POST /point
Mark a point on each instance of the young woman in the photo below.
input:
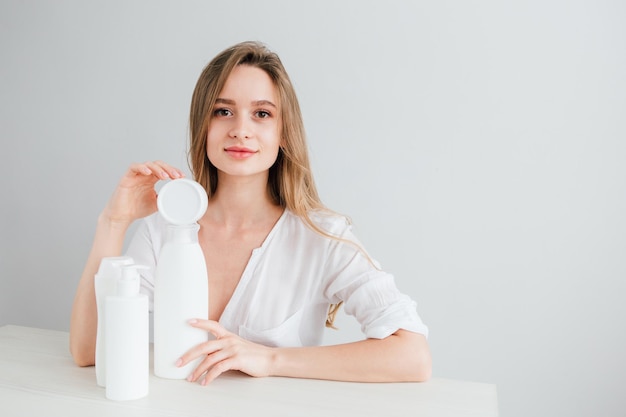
(279, 262)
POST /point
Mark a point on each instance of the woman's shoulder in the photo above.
(327, 220)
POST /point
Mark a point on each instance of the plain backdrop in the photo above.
(478, 146)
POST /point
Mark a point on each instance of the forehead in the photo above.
(248, 83)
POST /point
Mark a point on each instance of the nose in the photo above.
(240, 128)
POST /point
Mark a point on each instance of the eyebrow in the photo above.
(254, 103)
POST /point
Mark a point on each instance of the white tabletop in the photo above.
(39, 378)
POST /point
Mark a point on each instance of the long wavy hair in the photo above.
(290, 183)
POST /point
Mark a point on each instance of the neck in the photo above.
(241, 202)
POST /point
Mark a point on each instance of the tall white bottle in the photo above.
(127, 337)
(181, 289)
(105, 284)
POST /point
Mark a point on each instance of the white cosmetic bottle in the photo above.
(127, 338)
(181, 289)
(105, 284)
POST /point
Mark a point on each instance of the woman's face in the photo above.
(244, 134)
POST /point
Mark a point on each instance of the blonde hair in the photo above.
(290, 183)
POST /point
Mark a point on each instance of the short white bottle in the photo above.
(181, 290)
(105, 284)
(127, 339)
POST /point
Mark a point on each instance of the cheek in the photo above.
(273, 135)
(211, 146)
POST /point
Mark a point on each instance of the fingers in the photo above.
(135, 196)
(210, 326)
(218, 353)
(206, 348)
(213, 365)
(159, 169)
(217, 369)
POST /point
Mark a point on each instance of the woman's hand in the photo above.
(135, 196)
(227, 352)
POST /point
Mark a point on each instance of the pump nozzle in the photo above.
(109, 267)
(128, 284)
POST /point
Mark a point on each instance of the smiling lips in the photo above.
(239, 152)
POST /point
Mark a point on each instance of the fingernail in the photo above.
(192, 321)
(190, 378)
(179, 362)
(164, 174)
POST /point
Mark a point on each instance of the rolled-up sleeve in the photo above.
(369, 293)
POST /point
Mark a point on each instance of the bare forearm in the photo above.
(403, 356)
(108, 241)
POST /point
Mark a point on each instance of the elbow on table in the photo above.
(423, 369)
(418, 366)
(82, 355)
(82, 359)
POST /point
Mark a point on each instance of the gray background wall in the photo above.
(477, 145)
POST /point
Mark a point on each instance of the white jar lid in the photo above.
(182, 201)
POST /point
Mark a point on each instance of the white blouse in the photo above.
(283, 296)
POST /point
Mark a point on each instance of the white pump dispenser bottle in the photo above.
(127, 339)
(181, 290)
(105, 284)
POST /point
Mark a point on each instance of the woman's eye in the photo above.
(262, 114)
(222, 112)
